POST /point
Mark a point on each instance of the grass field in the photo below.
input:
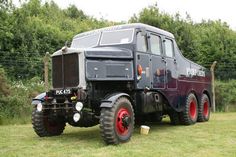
(214, 138)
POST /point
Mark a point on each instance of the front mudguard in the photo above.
(39, 99)
(110, 100)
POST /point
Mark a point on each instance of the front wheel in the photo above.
(117, 122)
(45, 126)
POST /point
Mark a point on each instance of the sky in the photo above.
(122, 10)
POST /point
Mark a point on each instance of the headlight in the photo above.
(79, 106)
(76, 117)
(39, 107)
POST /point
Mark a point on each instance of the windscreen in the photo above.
(122, 36)
(86, 41)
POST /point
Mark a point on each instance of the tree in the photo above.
(74, 13)
(29, 31)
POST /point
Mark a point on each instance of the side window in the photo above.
(141, 43)
(169, 48)
(155, 44)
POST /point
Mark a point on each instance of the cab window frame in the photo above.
(160, 44)
(137, 46)
(172, 47)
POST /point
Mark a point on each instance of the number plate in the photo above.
(65, 91)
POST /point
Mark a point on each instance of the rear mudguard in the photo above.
(39, 98)
(110, 100)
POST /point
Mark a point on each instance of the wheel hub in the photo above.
(126, 121)
(123, 121)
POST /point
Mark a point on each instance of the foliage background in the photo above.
(34, 28)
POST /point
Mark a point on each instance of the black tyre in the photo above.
(174, 117)
(45, 126)
(190, 113)
(117, 123)
(204, 109)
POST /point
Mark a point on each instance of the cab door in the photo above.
(171, 64)
(142, 58)
(158, 63)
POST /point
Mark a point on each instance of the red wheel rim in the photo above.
(193, 109)
(121, 128)
(205, 109)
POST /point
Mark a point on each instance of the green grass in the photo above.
(214, 138)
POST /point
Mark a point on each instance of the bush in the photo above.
(16, 107)
(4, 87)
(4, 91)
(225, 95)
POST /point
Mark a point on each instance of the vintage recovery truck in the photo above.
(120, 75)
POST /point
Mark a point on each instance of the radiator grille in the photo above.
(71, 71)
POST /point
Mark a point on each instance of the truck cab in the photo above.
(120, 75)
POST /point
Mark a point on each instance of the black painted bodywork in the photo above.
(101, 71)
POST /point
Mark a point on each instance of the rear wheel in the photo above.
(45, 126)
(190, 113)
(204, 109)
(117, 123)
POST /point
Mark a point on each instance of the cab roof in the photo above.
(127, 26)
